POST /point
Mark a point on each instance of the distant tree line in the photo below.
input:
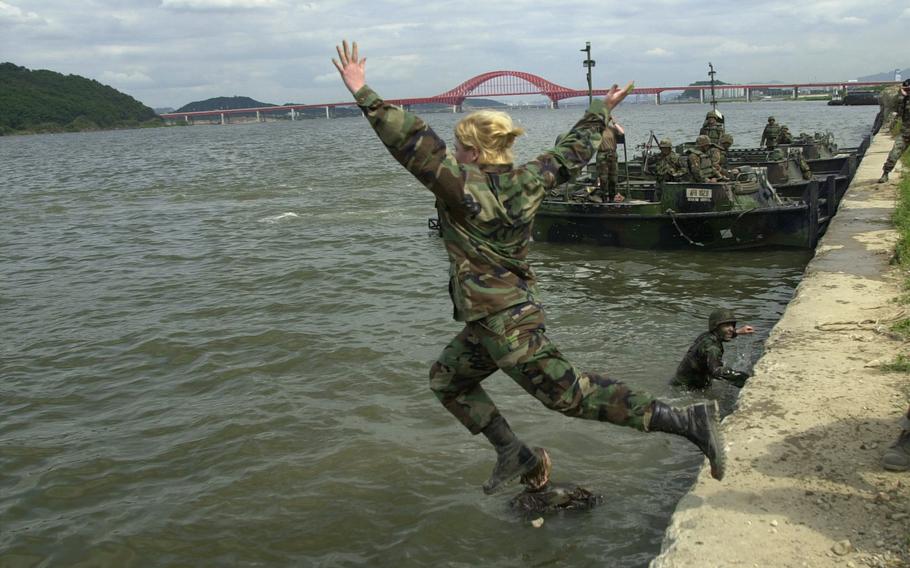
(46, 101)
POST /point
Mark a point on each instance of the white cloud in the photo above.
(905, 15)
(10, 14)
(205, 5)
(658, 52)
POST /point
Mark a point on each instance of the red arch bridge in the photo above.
(513, 83)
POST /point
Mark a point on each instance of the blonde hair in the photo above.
(491, 133)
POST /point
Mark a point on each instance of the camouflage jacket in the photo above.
(718, 158)
(771, 132)
(785, 138)
(712, 132)
(701, 166)
(669, 167)
(704, 362)
(485, 211)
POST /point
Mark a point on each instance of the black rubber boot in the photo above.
(884, 178)
(699, 423)
(513, 458)
(897, 458)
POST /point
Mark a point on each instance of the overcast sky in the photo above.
(167, 53)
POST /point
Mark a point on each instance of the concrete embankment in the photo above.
(804, 484)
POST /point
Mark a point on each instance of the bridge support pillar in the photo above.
(457, 108)
(748, 95)
(328, 112)
(701, 96)
(657, 99)
(222, 118)
(795, 93)
(293, 115)
(554, 104)
(258, 117)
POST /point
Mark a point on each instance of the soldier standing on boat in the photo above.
(607, 164)
(668, 166)
(902, 140)
(486, 207)
(712, 127)
(701, 166)
(770, 133)
(704, 361)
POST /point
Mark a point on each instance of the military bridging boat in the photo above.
(783, 197)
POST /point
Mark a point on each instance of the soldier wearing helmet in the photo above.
(770, 133)
(701, 166)
(607, 164)
(902, 140)
(784, 137)
(704, 361)
(713, 128)
(667, 166)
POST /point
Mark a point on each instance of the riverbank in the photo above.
(804, 484)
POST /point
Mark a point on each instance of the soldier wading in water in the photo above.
(486, 206)
(704, 361)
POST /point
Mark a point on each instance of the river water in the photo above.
(216, 340)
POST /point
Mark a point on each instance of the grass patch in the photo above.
(901, 364)
(902, 255)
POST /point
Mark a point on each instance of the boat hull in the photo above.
(620, 225)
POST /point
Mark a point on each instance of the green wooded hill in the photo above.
(47, 101)
(222, 103)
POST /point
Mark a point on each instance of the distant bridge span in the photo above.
(513, 83)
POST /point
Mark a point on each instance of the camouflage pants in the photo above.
(900, 144)
(607, 168)
(513, 340)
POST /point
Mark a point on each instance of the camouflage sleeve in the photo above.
(574, 150)
(717, 370)
(415, 146)
(695, 168)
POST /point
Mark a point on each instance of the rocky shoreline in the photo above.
(804, 484)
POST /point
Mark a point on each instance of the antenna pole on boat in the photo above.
(711, 74)
(588, 63)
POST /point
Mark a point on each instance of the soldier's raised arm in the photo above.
(405, 135)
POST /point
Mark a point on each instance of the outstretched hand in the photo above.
(616, 95)
(352, 69)
(745, 330)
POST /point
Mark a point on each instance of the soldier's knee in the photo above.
(440, 378)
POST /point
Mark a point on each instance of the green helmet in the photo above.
(719, 317)
(702, 140)
(665, 143)
(784, 128)
(770, 119)
(726, 138)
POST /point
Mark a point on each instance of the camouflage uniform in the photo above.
(784, 137)
(607, 163)
(889, 101)
(702, 167)
(712, 131)
(770, 133)
(704, 362)
(669, 167)
(902, 140)
(485, 213)
(718, 158)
